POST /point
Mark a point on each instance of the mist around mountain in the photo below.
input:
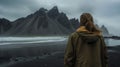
(42, 22)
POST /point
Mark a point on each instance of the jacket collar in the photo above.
(84, 30)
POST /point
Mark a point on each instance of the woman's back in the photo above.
(86, 48)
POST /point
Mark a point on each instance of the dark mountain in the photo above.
(97, 25)
(42, 22)
(5, 25)
(104, 30)
(63, 20)
(53, 13)
(75, 23)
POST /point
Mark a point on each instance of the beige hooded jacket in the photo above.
(85, 49)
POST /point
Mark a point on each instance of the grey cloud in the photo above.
(13, 2)
(14, 13)
(108, 9)
(17, 8)
(70, 7)
(114, 9)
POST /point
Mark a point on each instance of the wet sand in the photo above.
(33, 54)
(44, 55)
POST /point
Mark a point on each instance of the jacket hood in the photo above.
(90, 39)
(87, 36)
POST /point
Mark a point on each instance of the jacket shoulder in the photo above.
(74, 34)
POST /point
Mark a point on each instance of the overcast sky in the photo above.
(105, 12)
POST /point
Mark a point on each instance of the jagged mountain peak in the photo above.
(104, 30)
(4, 20)
(75, 23)
(97, 26)
(41, 12)
(43, 9)
(103, 26)
(74, 19)
(53, 13)
(55, 8)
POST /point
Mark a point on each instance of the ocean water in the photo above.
(112, 42)
(25, 40)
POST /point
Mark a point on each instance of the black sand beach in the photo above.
(43, 55)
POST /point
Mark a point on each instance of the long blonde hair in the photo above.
(86, 20)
